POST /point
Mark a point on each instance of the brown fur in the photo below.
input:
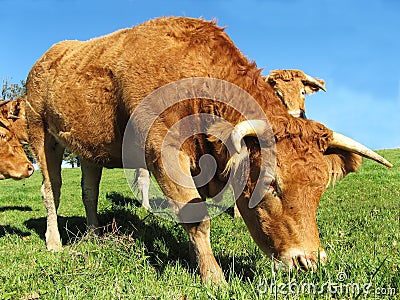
(81, 94)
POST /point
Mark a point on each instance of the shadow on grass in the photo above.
(120, 200)
(6, 229)
(70, 227)
(19, 208)
(157, 233)
(166, 242)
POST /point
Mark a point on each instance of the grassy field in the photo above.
(142, 256)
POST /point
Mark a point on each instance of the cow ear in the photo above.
(3, 134)
(341, 163)
(4, 123)
(4, 102)
(16, 109)
(4, 108)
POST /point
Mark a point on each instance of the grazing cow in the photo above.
(13, 161)
(291, 86)
(81, 95)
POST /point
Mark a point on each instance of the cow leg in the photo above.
(49, 155)
(91, 175)
(200, 246)
(236, 212)
(143, 182)
(192, 212)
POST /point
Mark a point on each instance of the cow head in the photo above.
(282, 221)
(14, 163)
(291, 86)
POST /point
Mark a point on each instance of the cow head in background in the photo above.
(292, 86)
(13, 161)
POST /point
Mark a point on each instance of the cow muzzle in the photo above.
(24, 171)
(300, 113)
(296, 259)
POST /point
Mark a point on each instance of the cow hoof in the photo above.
(147, 206)
(216, 277)
(54, 246)
(53, 241)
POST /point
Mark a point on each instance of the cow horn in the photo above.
(343, 142)
(3, 102)
(312, 81)
(12, 117)
(247, 128)
(268, 79)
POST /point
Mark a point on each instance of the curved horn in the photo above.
(269, 79)
(4, 102)
(12, 117)
(313, 81)
(343, 142)
(247, 128)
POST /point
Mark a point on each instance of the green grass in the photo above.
(142, 256)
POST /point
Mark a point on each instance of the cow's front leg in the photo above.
(49, 156)
(178, 185)
(199, 235)
(91, 175)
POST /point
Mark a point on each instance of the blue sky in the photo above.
(353, 45)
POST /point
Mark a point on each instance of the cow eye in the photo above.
(279, 93)
(303, 92)
(271, 186)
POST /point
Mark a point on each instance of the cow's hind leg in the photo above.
(143, 183)
(192, 212)
(91, 175)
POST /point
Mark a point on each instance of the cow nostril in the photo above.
(305, 263)
(301, 261)
(30, 168)
(322, 257)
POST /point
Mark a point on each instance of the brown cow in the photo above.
(291, 86)
(82, 95)
(13, 160)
